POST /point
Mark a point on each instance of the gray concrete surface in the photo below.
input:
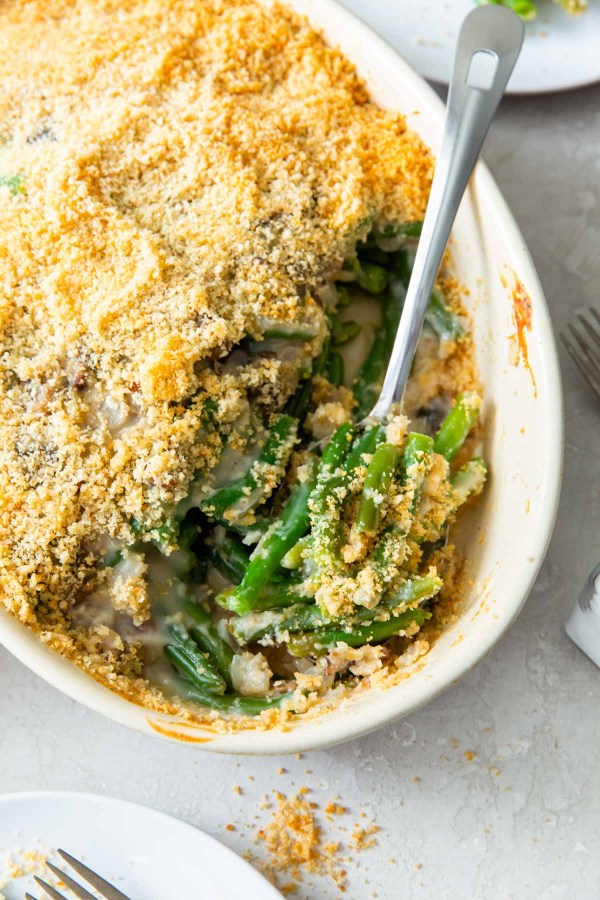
(521, 818)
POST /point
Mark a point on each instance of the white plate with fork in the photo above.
(144, 853)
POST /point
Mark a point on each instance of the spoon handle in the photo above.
(488, 47)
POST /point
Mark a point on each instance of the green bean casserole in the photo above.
(207, 231)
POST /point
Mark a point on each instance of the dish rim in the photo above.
(75, 683)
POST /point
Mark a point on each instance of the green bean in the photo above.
(333, 456)
(469, 479)
(442, 320)
(365, 444)
(439, 317)
(367, 384)
(455, 428)
(372, 278)
(401, 266)
(525, 8)
(268, 620)
(377, 483)
(299, 403)
(291, 525)
(326, 506)
(230, 557)
(392, 311)
(399, 229)
(310, 617)
(335, 368)
(344, 297)
(280, 597)
(243, 494)
(234, 704)
(112, 558)
(189, 661)
(391, 548)
(206, 634)
(294, 558)
(250, 534)
(327, 528)
(187, 533)
(369, 276)
(387, 556)
(322, 550)
(312, 644)
(343, 332)
(312, 497)
(164, 536)
(417, 456)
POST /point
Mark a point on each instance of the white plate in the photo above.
(144, 853)
(559, 52)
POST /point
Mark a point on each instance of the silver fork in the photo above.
(103, 887)
(582, 342)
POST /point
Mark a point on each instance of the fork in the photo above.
(582, 342)
(583, 346)
(103, 887)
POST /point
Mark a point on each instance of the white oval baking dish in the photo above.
(506, 536)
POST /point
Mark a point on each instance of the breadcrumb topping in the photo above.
(171, 173)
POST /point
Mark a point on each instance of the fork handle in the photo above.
(497, 32)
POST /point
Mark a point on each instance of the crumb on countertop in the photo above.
(297, 845)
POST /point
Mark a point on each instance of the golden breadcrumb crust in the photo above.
(169, 171)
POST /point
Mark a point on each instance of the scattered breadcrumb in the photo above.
(237, 789)
(335, 809)
(363, 838)
(18, 863)
(297, 846)
(469, 755)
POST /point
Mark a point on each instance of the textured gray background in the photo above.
(522, 818)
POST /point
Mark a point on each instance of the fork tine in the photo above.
(586, 353)
(30, 897)
(73, 885)
(592, 327)
(595, 315)
(48, 889)
(580, 364)
(593, 353)
(107, 890)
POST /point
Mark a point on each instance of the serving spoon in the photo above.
(488, 46)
